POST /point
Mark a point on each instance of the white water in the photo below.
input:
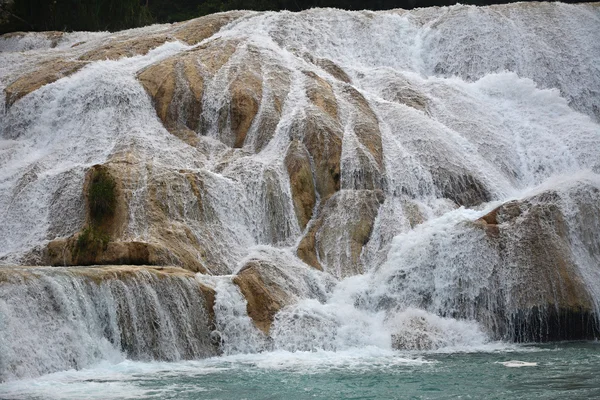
(55, 319)
(511, 98)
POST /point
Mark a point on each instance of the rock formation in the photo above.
(201, 144)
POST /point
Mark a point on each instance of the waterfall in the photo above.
(70, 318)
(329, 180)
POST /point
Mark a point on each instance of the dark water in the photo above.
(561, 371)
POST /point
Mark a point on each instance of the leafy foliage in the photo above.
(102, 196)
(91, 241)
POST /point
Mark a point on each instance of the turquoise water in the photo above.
(561, 371)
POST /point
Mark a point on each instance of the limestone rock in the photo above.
(298, 166)
(196, 30)
(333, 69)
(276, 80)
(49, 71)
(264, 298)
(176, 85)
(335, 241)
(320, 92)
(366, 125)
(246, 96)
(322, 137)
(329, 66)
(462, 188)
(125, 48)
(550, 298)
(403, 93)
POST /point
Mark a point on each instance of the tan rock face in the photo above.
(191, 32)
(125, 48)
(366, 125)
(403, 93)
(329, 66)
(277, 85)
(322, 137)
(264, 298)
(105, 241)
(335, 241)
(176, 86)
(320, 92)
(49, 71)
(333, 69)
(160, 81)
(246, 96)
(463, 189)
(297, 162)
(196, 30)
(532, 238)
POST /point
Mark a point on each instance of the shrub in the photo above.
(102, 195)
(91, 241)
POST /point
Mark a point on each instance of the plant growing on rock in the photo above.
(101, 203)
(91, 241)
(102, 195)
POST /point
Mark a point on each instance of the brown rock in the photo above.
(125, 48)
(549, 298)
(277, 80)
(171, 98)
(403, 93)
(335, 241)
(322, 137)
(196, 30)
(366, 125)
(246, 95)
(176, 85)
(307, 249)
(320, 92)
(49, 71)
(297, 162)
(461, 187)
(264, 298)
(333, 69)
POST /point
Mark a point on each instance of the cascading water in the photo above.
(400, 180)
(56, 318)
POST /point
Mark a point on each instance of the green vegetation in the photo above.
(95, 15)
(91, 241)
(102, 195)
(101, 202)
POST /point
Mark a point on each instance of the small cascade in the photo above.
(234, 330)
(54, 319)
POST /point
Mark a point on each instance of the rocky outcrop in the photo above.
(403, 93)
(48, 72)
(246, 95)
(463, 189)
(125, 48)
(329, 66)
(196, 30)
(104, 240)
(322, 137)
(275, 279)
(297, 162)
(190, 32)
(264, 297)
(334, 242)
(550, 298)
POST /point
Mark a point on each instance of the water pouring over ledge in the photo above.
(337, 180)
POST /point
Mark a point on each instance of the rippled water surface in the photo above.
(555, 371)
